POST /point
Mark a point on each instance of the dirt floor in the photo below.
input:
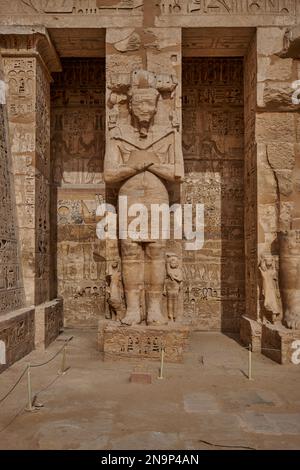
(205, 403)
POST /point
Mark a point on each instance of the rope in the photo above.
(33, 366)
(50, 360)
(14, 386)
(55, 355)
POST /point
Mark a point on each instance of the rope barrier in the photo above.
(31, 366)
(54, 357)
(14, 386)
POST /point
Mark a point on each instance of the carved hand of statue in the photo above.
(165, 171)
(141, 167)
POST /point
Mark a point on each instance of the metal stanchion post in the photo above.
(250, 363)
(162, 357)
(29, 406)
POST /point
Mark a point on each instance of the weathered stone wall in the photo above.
(213, 146)
(78, 145)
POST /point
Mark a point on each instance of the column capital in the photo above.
(27, 41)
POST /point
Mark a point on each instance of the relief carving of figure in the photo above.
(271, 292)
(173, 285)
(115, 292)
(290, 277)
(142, 156)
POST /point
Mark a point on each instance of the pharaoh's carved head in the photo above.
(142, 90)
(143, 107)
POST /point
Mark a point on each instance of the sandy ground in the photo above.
(205, 403)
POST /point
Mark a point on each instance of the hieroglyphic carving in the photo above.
(214, 290)
(11, 291)
(251, 235)
(78, 123)
(228, 7)
(17, 333)
(77, 149)
(29, 120)
(143, 342)
(53, 321)
(79, 7)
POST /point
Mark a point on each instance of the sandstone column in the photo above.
(16, 322)
(273, 175)
(29, 58)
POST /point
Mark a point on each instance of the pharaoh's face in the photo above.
(174, 263)
(143, 104)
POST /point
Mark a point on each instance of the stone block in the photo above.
(277, 343)
(48, 322)
(142, 342)
(275, 127)
(250, 333)
(141, 378)
(270, 40)
(17, 331)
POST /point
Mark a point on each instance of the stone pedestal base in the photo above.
(142, 342)
(277, 342)
(48, 322)
(250, 333)
(16, 335)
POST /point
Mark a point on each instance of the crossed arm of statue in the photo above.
(139, 162)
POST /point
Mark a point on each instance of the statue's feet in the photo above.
(131, 318)
(156, 318)
(292, 320)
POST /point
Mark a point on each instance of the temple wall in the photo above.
(213, 148)
(247, 174)
(77, 152)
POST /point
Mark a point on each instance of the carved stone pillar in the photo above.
(275, 212)
(144, 165)
(16, 322)
(29, 58)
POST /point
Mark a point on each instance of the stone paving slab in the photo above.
(200, 402)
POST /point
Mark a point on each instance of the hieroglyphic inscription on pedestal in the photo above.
(77, 146)
(142, 342)
(213, 126)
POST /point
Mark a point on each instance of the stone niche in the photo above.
(77, 150)
(213, 149)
